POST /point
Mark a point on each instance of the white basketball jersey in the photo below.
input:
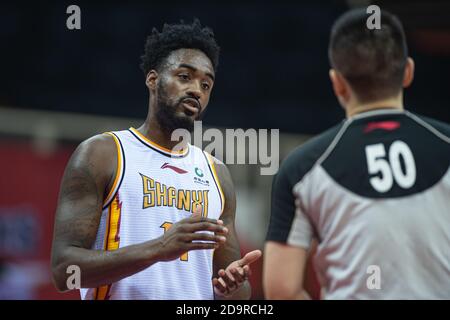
(154, 188)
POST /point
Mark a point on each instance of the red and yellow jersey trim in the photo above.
(111, 240)
(120, 170)
(156, 146)
(211, 163)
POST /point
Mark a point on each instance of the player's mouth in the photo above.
(191, 106)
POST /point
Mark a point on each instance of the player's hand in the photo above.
(184, 236)
(234, 276)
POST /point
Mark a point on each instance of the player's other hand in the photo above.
(232, 278)
(185, 236)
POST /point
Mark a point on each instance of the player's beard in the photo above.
(168, 115)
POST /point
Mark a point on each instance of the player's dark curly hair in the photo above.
(177, 36)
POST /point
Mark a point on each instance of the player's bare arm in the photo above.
(87, 180)
(231, 272)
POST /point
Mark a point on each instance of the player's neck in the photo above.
(391, 103)
(153, 131)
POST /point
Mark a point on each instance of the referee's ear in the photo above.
(340, 87)
(150, 81)
(408, 76)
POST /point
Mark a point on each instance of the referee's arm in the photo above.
(284, 268)
(288, 241)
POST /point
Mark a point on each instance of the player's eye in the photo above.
(205, 86)
(183, 76)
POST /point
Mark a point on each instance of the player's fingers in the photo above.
(228, 278)
(224, 285)
(238, 275)
(206, 226)
(201, 245)
(247, 271)
(217, 285)
(197, 210)
(250, 258)
(220, 285)
(205, 237)
(223, 231)
(199, 218)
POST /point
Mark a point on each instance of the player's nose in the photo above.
(194, 91)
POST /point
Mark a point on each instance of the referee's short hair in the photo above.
(371, 60)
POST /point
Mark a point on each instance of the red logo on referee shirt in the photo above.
(176, 169)
(384, 125)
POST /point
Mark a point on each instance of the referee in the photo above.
(374, 191)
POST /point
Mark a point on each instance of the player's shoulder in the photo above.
(215, 160)
(219, 166)
(303, 158)
(99, 143)
(439, 128)
(98, 152)
(221, 173)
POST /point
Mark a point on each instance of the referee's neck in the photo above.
(392, 103)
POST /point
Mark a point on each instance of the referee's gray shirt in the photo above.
(375, 192)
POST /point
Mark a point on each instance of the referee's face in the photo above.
(184, 88)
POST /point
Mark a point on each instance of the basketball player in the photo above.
(374, 190)
(142, 221)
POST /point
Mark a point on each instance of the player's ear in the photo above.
(150, 81)
(339, 84)
(408, 76)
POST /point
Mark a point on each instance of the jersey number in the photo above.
(166, 226)
(391, 170)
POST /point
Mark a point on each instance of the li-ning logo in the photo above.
(176, 169)
(383, 125)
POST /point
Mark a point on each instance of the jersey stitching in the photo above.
(428, 126)
(367, 114)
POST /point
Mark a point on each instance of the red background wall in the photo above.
(29, 187)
